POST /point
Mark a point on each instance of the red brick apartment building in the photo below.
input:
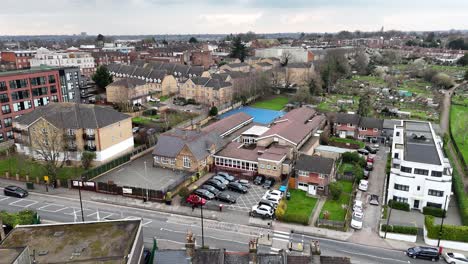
(22, 91)
(21, 58)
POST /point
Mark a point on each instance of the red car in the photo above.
(195, 200)
(370, 158)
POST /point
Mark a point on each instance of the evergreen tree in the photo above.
(102, 77)
(238, 49)
(193, 40)
(364, 106)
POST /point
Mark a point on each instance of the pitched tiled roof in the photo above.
(344, 118)
(73, 115)
(200, 80)
(128, 82)
(220, 76)
(237, 65)
(264, 64)
(370, 122)
(315, 164)
(228, 123)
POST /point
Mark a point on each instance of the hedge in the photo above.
(296, 218)
(344, 141)
(407, 230)
(26, 217)
(434, 211)
(449, 232)
(399, 205)
(458, 187)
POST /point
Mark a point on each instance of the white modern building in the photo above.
(71, 58)
(420, 174)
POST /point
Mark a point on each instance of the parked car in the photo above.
(245, 183)
(225, 197)
(363, 185)
(15, 191)
(268, 183)
(195, 200)
(221, 179)
(135, 130)
(268, 203)
(237, 187)
(369, 166)
(356, 220)
(204, 194)
(371, 158)
(210, 188)
(227, 176)
(357, 207)
(374, 199)
(423, 252)
(217, 184)
(263, 211)
(455, 258)
(371, 149)
(363, 151)
(366, 174)
(274, 199)
(259, 180)
(275, 193)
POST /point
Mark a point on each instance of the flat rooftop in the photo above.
(93, 242)
(9, 255)
(419, 143)
(29, 71)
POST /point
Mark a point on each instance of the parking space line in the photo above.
(43, 208)
(4, 198)
(23, 200)
(77, 211)
(147, 223)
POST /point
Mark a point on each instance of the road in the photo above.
(170, 229)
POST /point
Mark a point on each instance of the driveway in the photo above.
(372, 213)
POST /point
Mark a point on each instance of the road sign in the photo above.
(46, 178)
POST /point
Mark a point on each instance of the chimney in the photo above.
(315, 252)
(190, 245)
(253, 251)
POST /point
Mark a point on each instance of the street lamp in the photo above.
(202, 233)
(146, 178)
(81, 201)
(388, 219)
(442, 222)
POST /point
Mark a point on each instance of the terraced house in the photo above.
(68, 129)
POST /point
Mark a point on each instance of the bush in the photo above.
(213, 111)
(335, 190)
(150, 112)
(434, 211)
(184, 192)
(27, 217)
(449, 232)
(281, 210)
(458, 187)
(191, 101)
(296, 218)
(344, 141)
(407, 230)
(399, 205)
(353, 157)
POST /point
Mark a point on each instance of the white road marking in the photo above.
(216, 238)
(280, 239)
(279, 235)
(275, 249)
(147, 223)
(372, 256)
(4, 198)
(282, 232)
(29, 203)
(43, 208)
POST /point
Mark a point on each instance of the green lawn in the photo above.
(417, 86)
(330, 103)
(421, 114)
(276, 103)
(164, 98)
(18, 164)
(337, 208)
(345, 167)
(140, 120)
(348, 140)
(458, 125)
(299, 207)
(374, 80)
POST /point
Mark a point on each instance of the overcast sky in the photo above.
(35, 17)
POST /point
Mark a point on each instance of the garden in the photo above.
(346, 142)
(338, 102)
(336, 206)
(458, 122)
(277, 103)
(298, 209)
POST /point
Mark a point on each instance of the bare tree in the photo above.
(49, 144)
(285, 58)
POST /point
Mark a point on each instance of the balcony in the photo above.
(90, 148)
(89, 136)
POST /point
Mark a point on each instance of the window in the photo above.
(321, 176)
(51, 78)
(376, 130)
(436, 173)
(262, 166)
(16, 84)
(3, 86)
(419, 188)
(268, 166)
(362, 129)
(10, 135)
(4, 98)
(397, 134)
(401, 187)
(406, 169)
(303, 173)
(421, 172)
(396, 156)
(1, 137)
(20, 106)
(274, 167)
(54, 98)
(164, 160)
(172, 161)
(39, 91)
(38, 81)
(301, 184)
(20, 95)
(156, 159)
(400, 199)
(7, 122)
(6, 109)
(435, 193)
(436, 205)
(320, 188)
(53, 89)
(187, 162)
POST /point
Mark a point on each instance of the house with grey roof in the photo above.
(68, 129)
(314, 173)
(239, 67)
(208, 91)
(355, 126)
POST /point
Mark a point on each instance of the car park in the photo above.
(221, 179)
(363, 185)
(455, 258)
(423, 252)
(369, 166)
(259, 180)
(195, 200)
(357, 207)
(268, 183)
(210, 188)
(263, 211)
(217, 184)
(374, 199)
(15, 191)
(237, 187)
(204, 194)
(245, 183)
(227, 176)
(225, 197)
(356, 220)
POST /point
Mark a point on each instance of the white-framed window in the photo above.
(362, 129)
(301, 184)
(350, 125)
(303, 173)
(164, 160)
(338, 124)
(322, 176)
(376, 129)
(320, 188)
(262, 166)
(172, 161)
(268, 166)
(187, 162)
(156, 159)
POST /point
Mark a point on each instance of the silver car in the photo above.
(455, 258)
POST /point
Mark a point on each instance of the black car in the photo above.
(221, 179)
(15, 191)
(268, 183)
(217, 184)
(268, 203)
(371, 149)
(369, 166)
(224, 197)
(204, 194)
(210, 188)
(423, 252)
(259, 180)
(237, 187)
(227, 176)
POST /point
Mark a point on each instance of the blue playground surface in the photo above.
(262, 116)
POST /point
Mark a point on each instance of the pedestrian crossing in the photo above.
(280, 241)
